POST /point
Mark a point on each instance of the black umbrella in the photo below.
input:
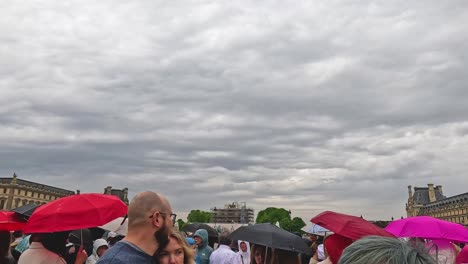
(271, 236)
(25, 211)
(193, 227)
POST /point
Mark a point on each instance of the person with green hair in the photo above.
(384, 250)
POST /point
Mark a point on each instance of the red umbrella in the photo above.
(348, 226)
(75, 212)
(10, 221)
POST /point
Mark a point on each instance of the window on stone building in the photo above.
(42, 196)
(2, 204)
(47, 197)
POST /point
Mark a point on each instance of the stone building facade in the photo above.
(122, 194)
(430, 201)
(16, 192)
(233, 213)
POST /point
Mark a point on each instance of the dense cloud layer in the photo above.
(307, 105)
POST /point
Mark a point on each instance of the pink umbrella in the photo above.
(428, 227)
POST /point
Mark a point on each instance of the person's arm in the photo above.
(314, 259)
(81, 256)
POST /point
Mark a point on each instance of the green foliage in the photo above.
(198, 216)
(273, 215)
(297, 224)
(180, 224)
(281, 215)
(294, 225)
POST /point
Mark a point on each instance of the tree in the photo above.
(180, 224)
(198, 216)
(294, 225)
(273, 215)
(297, 224)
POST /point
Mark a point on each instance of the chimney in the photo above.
(410, 193)
(439, 188)
(108, 190)
(432, 197)
(125, 193)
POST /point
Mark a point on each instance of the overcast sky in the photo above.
(306, 105)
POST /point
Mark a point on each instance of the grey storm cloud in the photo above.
(307, 105)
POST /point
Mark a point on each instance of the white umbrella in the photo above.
(119, 226)
(315, 229)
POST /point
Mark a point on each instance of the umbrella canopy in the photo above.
(191, 228)
(348, 226)
(315, 229)
(118, 225)
(75, 212)
(428, 227)
(26, 210)
(10, 221)
(271, 236)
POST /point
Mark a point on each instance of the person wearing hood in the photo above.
(204, 250)
(100, 247)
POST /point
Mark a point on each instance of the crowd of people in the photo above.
(152, 239)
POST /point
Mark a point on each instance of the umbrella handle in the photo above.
(125, 218)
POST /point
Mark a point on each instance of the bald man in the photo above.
(149, 225)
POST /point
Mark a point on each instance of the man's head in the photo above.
(225, 240)
(100, 246)
(201, 237)
(243, 246)
(150, 213)
(198, 241)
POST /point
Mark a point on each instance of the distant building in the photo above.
(122, 194)
(431, 201)
(233, 213)
(16, 192)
